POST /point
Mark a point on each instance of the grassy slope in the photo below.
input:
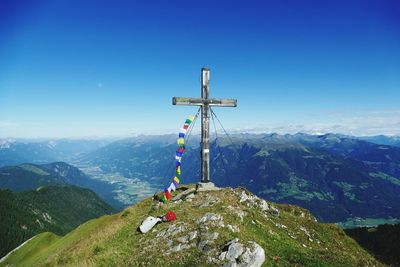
(114, 241)
(22, 214)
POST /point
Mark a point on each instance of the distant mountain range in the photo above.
(335, 176)
(383, 140)
(58, 209)
(13, 152)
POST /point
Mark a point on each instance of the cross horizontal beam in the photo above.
(218, 102)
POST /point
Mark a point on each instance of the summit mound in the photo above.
(229, 227)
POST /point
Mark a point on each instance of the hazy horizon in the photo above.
(257, 131)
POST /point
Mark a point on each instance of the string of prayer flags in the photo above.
(178, 158)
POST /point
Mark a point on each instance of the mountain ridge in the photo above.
(29, 176)
(207, 223)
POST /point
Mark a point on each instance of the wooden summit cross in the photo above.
(205, 102)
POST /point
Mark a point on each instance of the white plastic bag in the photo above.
(148, 224)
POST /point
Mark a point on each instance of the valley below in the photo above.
(126, 191)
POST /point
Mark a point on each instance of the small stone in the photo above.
(212, 236)
(292, 236)
(210, 201)
(264, 205)
(202, 244)
(271, 232)
(183, 239)
(176, 248)
(305, 231)
(190, 196)
(233, 241)
(237, 211)
(192, 235)
(281, 225)
(243, 197)
(209, 217)
(274, 211)
(233, 228)
(185, 246)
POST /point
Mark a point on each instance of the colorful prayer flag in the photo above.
(178, 158)
(176, 179)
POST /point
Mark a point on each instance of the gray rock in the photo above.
(305, 231)
(233, 241)
(209, 217)
(169, 242)
(274, 211)
(234, 251)
(183, 239)
(183, 194)
(233, 228)
(190, 196)
(238, 212)
(202, 244)
(176, 248)
(240, 256)
(222, 255)
(243, 197)
(210, 236)
(253, 257)
(185, 246)
(264, 205)
(171, 231)
(210, 201)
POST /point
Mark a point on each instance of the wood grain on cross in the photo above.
(205, 102)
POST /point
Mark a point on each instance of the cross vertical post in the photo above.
(205, 126)
(205, 102)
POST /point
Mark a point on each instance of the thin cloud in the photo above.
(6, 124)
(360, 123)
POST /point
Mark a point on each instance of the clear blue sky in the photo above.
(97, 68)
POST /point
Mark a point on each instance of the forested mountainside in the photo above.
(57, 209)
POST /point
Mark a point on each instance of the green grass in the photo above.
(114, 241)
(33, 249)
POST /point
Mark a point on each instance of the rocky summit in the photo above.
(227, 227)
